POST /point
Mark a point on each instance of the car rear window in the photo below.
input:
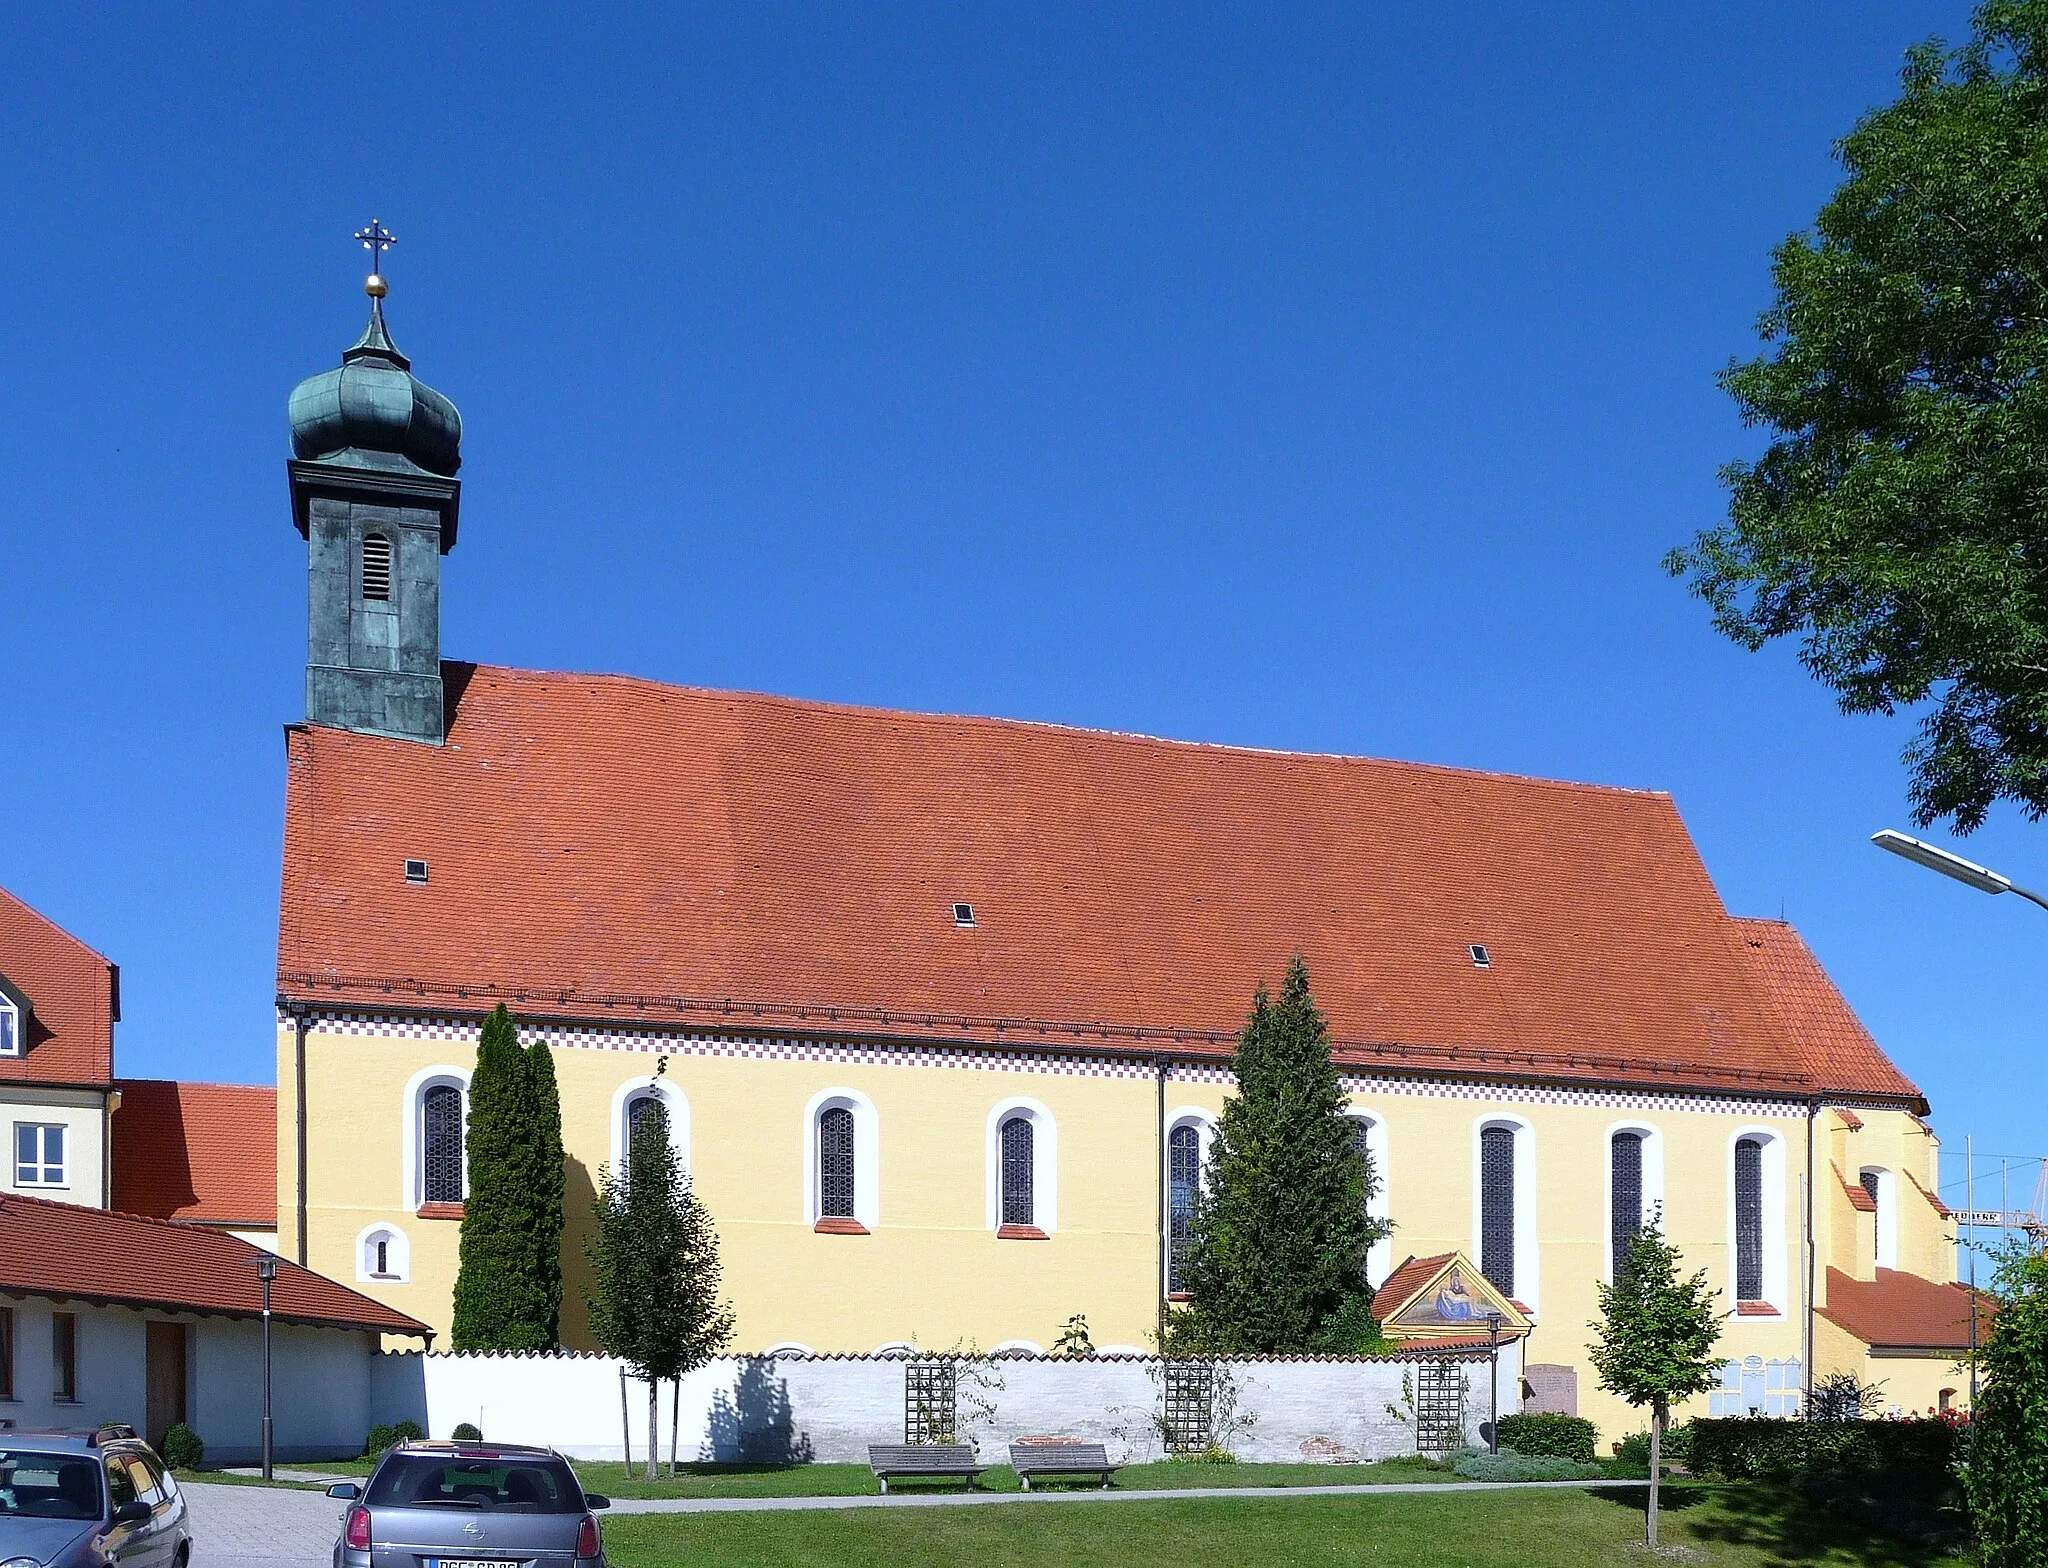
(531, 1486)
(49, 1486)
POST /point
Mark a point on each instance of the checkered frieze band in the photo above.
(464, 1032)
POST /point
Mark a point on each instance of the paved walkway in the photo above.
(260, 1526)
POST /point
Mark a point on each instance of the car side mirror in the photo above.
(347, 1491)
(136, 1512)
(594, 1500)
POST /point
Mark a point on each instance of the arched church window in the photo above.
(1017, 1174)
(1184, 1179)
(642, 1111)
(376, 566)
(1749, 1219)
(835, 1163)
(1625, 1192)
(441, 1144)
(1497, 1207)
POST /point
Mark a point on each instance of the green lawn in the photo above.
(1725, 1526)
(859, 1481)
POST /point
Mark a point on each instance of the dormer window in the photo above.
(10, 1027)
(376, 567)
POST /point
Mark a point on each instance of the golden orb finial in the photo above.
(375, 286)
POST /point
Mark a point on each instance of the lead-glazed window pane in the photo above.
(835, 1163)
(1497, 1207)
(441, 1144)
(1017, 1174)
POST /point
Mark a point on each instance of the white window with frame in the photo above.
(11, 1029)
(1504, 1206)
(383, 1256)
(1883, 1188)
(1369, 1135)
(631, 1112)
(1756, 1222)
(1635, 1186)
(842, 1163)
(39, 1150)
(1190, 1133)
(434, 1158)
(1022, 1184)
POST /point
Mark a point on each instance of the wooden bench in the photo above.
(1030, 1459)
(922, 1459)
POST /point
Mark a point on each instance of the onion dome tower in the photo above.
(374, 494)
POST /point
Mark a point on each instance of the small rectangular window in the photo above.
(38, 1155)
(6, 1352)
(1481, 959)
(963, 914)
(10, 1028)
(64, 1357)
(376, 567)
(416, 872)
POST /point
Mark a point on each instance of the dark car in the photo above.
(469, 1505)
(87, 1500)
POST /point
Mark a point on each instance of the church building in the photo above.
(941, 1008)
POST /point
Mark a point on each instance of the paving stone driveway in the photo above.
(260, 1526)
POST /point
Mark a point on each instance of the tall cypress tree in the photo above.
(508, 1291)
(1277, 1260)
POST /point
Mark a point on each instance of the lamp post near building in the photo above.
(1493, 1322)
(266, 1271)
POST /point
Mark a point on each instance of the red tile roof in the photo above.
(1858, 1195)
(1898, 1311)
(204, 1152)
(1837, 1051)
(74, 995)
(80, 1254)
(1933, 1202)
(603, 847)
(1399, 1287)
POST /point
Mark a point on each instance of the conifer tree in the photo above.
(655, 1275)
(1276, 1262)
(1656, 1338)
(508, 1290)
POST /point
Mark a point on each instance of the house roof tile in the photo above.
(604, 847)
(203, 1152)
(81, 1254)
(1899, 1311)
(1835, 1049)
(73, 995)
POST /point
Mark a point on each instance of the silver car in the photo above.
(99, 1499)
(469, 1505)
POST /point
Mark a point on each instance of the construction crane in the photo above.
(2030, 1222)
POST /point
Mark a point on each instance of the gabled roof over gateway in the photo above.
(71, 997)
(599, 847)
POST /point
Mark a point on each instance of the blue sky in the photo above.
(1318, 378)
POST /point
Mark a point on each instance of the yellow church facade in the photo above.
(942, 1007)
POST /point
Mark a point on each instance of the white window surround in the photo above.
(894, 1348)
(789, 1350)
(397, 1255)
(1777, 1276)
(30, 1155)
(1528, 1266)
(1017, 1347)
(867, 1155)
(1124, 1350)
(1887, 1214)
(413, 1108)
(1204, 1123)
(1653, 1182)
(11, 1043)
(673, 1101)
(1045, 1163)
(1379, 1260)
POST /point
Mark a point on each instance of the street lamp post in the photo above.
(266, 1271)
(1967, 872)
(1493, 1322)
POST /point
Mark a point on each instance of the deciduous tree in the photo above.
(2006, 1472)
(1897, 522)
(1655, 1339)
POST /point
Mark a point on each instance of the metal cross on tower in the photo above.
(376, 240)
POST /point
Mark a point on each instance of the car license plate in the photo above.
(468, 1562)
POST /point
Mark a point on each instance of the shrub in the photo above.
(382, 1437)
(466, 1433)
(1745, 1448)
(182, 1448)
(2007, 1470)
(1476, 1464)
(1561, 1437)
(1632, 1453)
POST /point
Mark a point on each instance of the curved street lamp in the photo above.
(1967, 872)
